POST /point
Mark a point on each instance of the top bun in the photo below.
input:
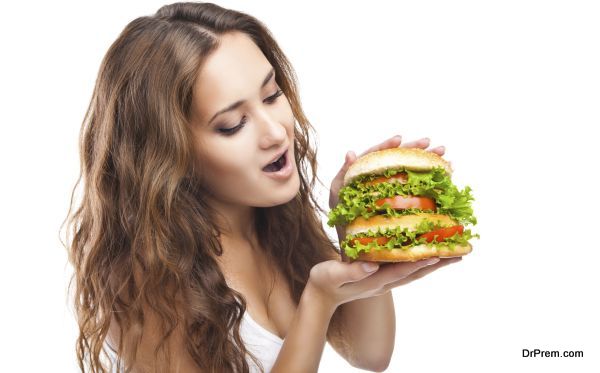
(414, 159)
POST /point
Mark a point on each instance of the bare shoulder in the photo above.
(152, 336)
(145, 356)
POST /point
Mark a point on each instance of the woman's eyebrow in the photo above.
(236, 104)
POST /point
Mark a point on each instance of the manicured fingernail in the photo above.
(370, 267)
(431, 261)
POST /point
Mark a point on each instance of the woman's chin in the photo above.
(284, 193)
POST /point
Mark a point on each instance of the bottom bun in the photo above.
(413, 254)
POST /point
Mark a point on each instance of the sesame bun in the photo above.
(414, 159)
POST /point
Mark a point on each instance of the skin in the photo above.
(231, 167)
(364, 296)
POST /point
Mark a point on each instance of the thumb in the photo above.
(355, 271)
(349, 158)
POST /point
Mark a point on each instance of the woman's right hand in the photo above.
(340, 282)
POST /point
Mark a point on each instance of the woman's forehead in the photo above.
(232, 72)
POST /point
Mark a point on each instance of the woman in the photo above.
(190, 253)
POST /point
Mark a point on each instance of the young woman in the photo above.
(192, 253)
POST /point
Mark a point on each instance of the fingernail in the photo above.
(370, 267)
(348, 156)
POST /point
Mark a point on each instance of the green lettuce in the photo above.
(355, 198)
(402, 238)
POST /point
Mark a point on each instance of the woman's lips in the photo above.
(277, 157)
(285, 172)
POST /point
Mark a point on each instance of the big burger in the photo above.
(400, 204)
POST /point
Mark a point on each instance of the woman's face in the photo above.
(234, 146)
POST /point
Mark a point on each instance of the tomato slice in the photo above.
(438, 235)
(401, 177)
(406, 202)
(366, 240)
(442, 233)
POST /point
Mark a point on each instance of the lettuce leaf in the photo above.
(400, 236)
(355, 198)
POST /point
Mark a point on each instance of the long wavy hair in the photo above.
(143, 208)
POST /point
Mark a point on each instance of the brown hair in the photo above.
(143, 208)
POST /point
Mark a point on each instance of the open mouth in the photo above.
(277, 165)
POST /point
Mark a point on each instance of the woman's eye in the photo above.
(271, 99)
(232, 130)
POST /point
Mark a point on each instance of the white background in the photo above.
(511, 88)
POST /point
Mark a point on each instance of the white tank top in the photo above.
(263, 344)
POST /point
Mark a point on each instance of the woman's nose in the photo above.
(272, 132)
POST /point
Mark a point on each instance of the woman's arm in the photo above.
(370, 324)
(370, 327)
(304, 342)
(366, 307)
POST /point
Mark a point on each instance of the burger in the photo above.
(400, 205)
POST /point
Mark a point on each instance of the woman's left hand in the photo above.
(338, 282)
(393, 142)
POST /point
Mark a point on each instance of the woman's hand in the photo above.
(338, 282)
(393, 142)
